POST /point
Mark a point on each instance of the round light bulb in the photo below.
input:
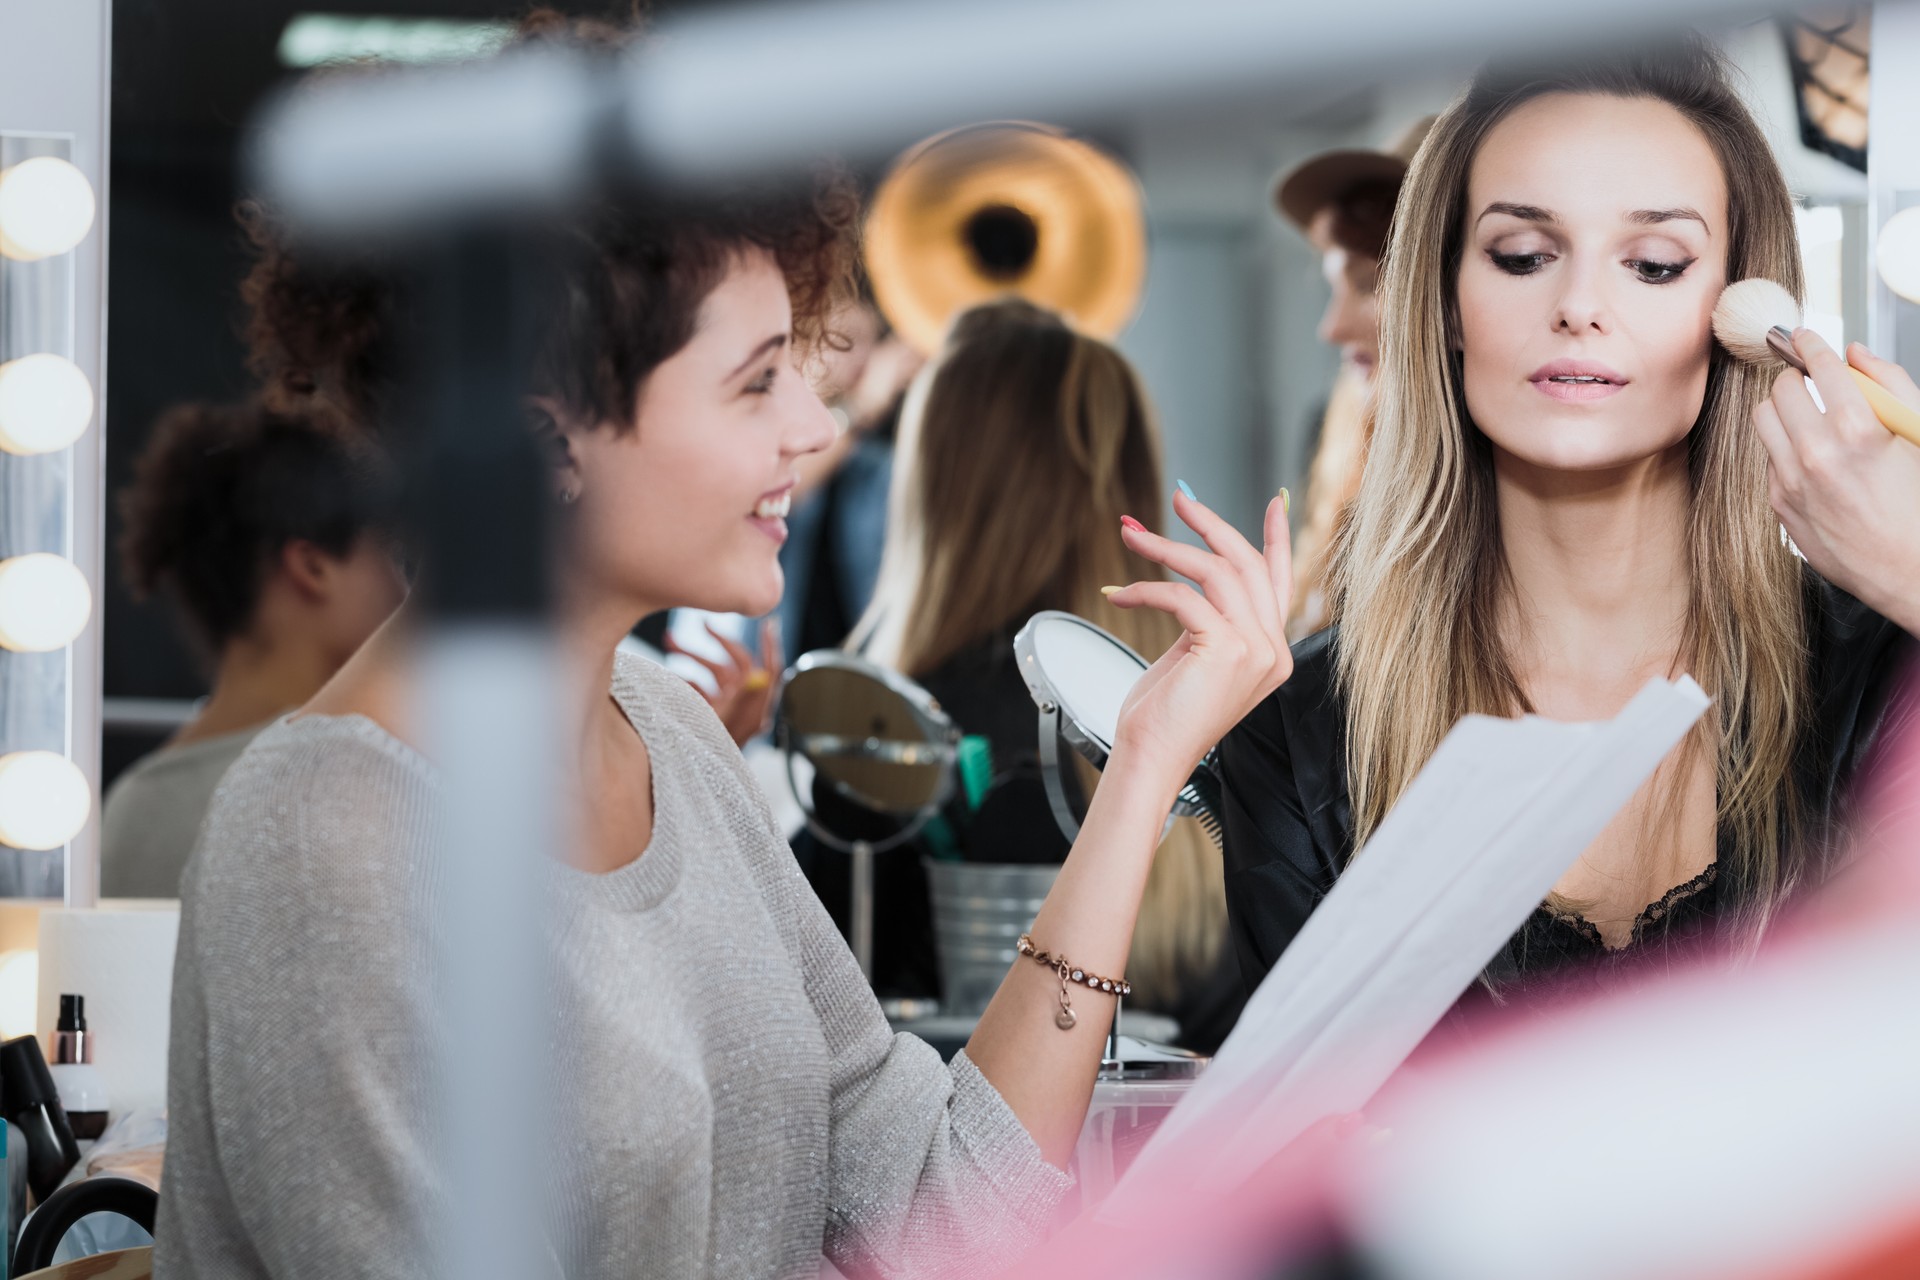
(44, 800)
(46, 207)
(44, 603)
(1897, 253)
(45, 404)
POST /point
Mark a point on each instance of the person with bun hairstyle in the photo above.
(269, 533)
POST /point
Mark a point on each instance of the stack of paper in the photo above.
(1484, 832)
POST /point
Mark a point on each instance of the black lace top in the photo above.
(1289, 821)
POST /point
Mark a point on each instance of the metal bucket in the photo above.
(980, 909)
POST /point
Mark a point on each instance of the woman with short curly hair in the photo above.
(738, 1102)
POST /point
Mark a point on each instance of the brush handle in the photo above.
(1900, 418)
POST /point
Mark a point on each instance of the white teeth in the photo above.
(774, 508)
(1577, 378)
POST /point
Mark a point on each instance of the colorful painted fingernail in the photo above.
(1186, 489)
(1286, 500)
(1107, 591)
(1134, 525)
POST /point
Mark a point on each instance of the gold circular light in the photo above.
(46, 403)
(44, 603)
(46, 208)
(1009, 207)
(44, 800)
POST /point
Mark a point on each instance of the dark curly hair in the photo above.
(633, 274)
(221, 489)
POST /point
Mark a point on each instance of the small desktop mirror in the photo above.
(1079, 676)
(880, 742)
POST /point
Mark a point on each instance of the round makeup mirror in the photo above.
(880, 742)
(1080, 675)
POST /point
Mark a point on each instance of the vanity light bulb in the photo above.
(46, 208)
(44, 800)
(1897, 253)
(46, 403)
(44, 603)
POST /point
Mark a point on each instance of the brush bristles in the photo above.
(1746, 311)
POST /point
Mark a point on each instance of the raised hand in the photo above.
(1234, 650)
(743, 689)
(1846, 488)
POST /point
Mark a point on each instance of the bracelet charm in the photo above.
(1065, 1018)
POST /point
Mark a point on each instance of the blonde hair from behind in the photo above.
(1419, 577)
(1020, 448)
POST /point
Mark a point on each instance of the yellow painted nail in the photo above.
(758, 680)
(1107, 591)
(1286, 500)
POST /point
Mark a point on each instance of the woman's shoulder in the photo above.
(1856, 661)
(321, 825)
(1842, 631)
(664, 704)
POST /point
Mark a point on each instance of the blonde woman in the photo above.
(1566, 496)
(1021, 453)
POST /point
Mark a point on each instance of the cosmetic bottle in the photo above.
(83, 1090)
(31, 1102)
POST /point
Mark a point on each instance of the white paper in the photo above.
(1478, 839)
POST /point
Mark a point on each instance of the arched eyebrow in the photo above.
(1525, 212)
(1654, 217)
(760, 352)
(1639, 217)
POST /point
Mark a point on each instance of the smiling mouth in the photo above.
(774, 508)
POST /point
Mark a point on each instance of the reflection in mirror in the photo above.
(879, 741)
(1080, 676)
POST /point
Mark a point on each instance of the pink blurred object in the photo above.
(1757, 1120)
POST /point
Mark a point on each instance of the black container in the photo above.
(28, 1098)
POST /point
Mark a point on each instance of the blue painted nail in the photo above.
(1186, 489)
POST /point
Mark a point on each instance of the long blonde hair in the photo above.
(1420, 575)
(1019, 451)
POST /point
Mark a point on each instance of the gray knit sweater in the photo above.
(743, 1105)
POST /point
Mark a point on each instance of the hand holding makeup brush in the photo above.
(1846, 488)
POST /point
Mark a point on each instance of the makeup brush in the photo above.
(1755, 320)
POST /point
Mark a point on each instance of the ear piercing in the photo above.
(569, 496)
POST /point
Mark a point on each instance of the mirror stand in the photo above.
(860, 925)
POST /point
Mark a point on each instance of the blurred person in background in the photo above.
(1566, 496)
(1343, 202)
(270, 533)
(1022, 448)
(839, 518)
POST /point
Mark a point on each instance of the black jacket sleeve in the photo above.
(1288, 824)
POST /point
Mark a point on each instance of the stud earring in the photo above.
(569, 496)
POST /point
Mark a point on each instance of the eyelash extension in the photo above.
(1518, 264)
(1673, 270)
(1525, 264)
